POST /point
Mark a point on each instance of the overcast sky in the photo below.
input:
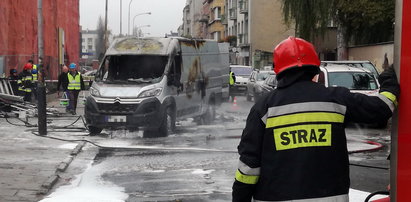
(166, 15)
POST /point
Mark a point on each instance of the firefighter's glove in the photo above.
(388, 81)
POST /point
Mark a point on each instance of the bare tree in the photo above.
(100, 46)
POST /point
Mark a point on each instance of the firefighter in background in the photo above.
(75, 85)
(232, 82)
(25, 82)
(294, 146)
(13, 78)
(34, 72)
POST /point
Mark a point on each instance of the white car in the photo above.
(357, 80)
(242, 73)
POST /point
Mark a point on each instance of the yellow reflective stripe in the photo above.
(391, 97)
(246, 179)
(304, 117)
(307, 135)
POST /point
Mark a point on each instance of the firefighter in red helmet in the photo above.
(26, 82)
(293, 146)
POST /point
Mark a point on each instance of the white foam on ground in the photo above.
(201, 171)
(359, 196)
(68, 146)
(87, 187)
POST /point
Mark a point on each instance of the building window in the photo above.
(216, 36)
(90, 40)
(217, 13)
(83, 40)
(90, 47)
(83, 47)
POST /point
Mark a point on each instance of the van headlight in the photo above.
(151, 92)
(94, 92)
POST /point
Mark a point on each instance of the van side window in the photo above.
(175, 71)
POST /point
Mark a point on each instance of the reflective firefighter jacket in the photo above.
(35, 76)
(294, 144)
(25, 81)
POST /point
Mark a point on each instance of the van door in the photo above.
(191, 78)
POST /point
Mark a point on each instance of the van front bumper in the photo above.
(146, 114)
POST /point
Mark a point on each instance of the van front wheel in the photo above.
(167, 126)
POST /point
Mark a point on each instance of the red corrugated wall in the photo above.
(18, 32)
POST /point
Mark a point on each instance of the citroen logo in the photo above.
(117, 100)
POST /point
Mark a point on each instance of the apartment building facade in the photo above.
(192, 24)
(258, 26)
(88, 44)
(253, 28)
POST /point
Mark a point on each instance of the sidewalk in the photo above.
(29, 164)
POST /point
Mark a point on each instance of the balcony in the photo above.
(204, 18)
(233, 14)
(243, 40)
(243, 6)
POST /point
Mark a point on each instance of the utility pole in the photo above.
(41, 88)
(105, 29)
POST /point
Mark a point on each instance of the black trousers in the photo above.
(73, 98)
(27, 96)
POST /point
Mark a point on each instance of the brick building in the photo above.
(18, 34)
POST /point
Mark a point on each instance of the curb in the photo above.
(62, 166)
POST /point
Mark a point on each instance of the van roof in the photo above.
(343, 68)
(346, 61)
(134, 45)
(240, 66)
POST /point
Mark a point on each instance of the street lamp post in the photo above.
(148, 13)
(121, 16)
(128, 29)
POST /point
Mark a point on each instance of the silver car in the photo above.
(255, 82)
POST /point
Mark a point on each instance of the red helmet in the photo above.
(294, 52)
(28, 66)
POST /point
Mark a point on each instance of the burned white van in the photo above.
(149, 83)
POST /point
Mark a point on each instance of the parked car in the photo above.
(353, 63)
(242, 73)
(255, 80)
(357, 80)
(269, 84)
(84, 69)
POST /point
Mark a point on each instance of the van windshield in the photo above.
(132, 68)
(353, 80)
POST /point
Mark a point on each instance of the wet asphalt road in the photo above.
(202, 167)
